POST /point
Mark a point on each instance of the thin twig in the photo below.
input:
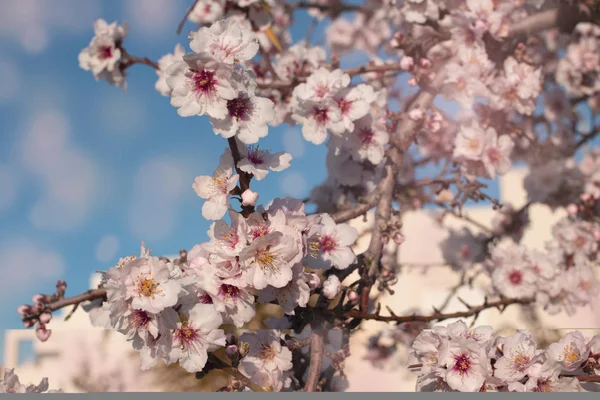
(500, 304)
(185, 17)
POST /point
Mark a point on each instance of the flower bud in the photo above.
(28, 323)
(42, 333)
(572, 209)
(232, 351)
(38, 299)
(249, 198)
(352, 295)
(399, 238)
(24, 310)
(314, 281)
(45, 317)
(406, 63)
(425, 63)
(331, 287)
(61, 285)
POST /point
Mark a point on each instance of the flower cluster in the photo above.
(454, 358)
(174, 312)
(11, 384)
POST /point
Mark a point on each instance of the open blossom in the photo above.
(258, 162)
(519, 88)
(295, 294)
(368, 140)
(163, 64)
(103, 54)
(149, 284)
(195, 336)
(466, 365)
(266, 353)
(247, 115)
(267, 260)
(201, 85)
(226, 41)
(519, 355)
(579, 70)
(317, 118)
(299, 60)
(215, 189)
(11, 384)
(354, 103)
(207, 11)
(322, 84)
(330, 246)
(570, 351)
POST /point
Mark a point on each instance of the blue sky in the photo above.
(88, 171)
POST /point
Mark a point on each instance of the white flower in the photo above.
(226, 41)
(470, 141)
(368, 140)
(331, 245)
(496, 155)
(331, 287)
(546, 379)
(149, 284)
(299, 60)
(163, 64)
(230, 239)
(519, 354)
(316, 118)
(258, 162)
(247, 115)
(519, 88)
(11, 384)
(207, 11)
(466, 365)
(103, 53)
(215, 189)
(267, 260)
(200, 85)
(513, 277)
(354, 103)
(322, 84)
(195, 336)
(295, 293)
(266, 353)
(570, 352)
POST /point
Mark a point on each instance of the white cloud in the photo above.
(32, 23)
(107, 248)
(27, 263)
(8, 183)
(159, 186)
(154, 18)
(10, 79)
(294, 143)
(293, 184)
(69, 179)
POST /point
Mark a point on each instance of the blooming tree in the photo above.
(520, 75)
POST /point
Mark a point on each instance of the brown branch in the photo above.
(129, 60)
(437, 316)
(90, 295)
(335, 7)
(317, 348)
(534, 23)
(185, 17)
(222, 365)
(355, 211)
(244, 177)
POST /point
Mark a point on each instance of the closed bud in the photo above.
(331, 287)
(231, 351)
(398, 238)
(314, 281)
(352, 295)
(45, 317)
(24, 310)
